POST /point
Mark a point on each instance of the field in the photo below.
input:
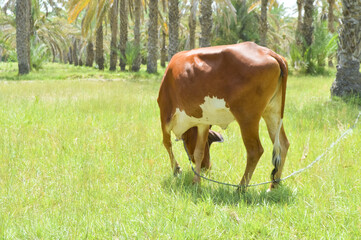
(81, 157)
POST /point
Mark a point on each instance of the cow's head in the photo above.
(190, 139)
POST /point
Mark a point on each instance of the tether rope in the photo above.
(348, 131)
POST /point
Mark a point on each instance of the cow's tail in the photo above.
(276, 156)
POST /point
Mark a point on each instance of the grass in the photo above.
(81, 157)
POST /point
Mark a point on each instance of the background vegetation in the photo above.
(69, 31)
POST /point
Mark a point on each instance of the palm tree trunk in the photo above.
(137, 59)
(163, 51)
(99, 50)
(192, 24)
(89, 54)
(70, 56)
(65, 57)
(331, 27)
(173, 16)
(263, 23)
(123, 38)
(307, 23)
(152, 37)
(30, 25)
(22, 36)
(307, 33)
(114, 31)
(206, 23)
(299, 23)
(348, 76)
(75, 53)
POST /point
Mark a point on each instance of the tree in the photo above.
(113, 18)
(123, 31)
(89, 54)
(307, 32)
(163, 51)
(23, 36)
(192, 22)
(331, 27)
(75, 52)
(307, 28)
(99, 48)
(137, 12)
(173, 17)
(299, 22)
(95, 10)
(152, 37)
(348, 76)
(206, 23)
(263, 23)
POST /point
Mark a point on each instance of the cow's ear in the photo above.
(214, 137)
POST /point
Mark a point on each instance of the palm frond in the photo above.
(74, 12)
(254, 6)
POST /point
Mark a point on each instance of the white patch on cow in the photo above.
(214, 112)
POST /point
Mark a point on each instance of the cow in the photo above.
(220, 84)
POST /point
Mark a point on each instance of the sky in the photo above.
(291, 5)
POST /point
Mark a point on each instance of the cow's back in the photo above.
(234, 77)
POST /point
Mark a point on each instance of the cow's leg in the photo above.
(168, 145)
(202, 137)
(276, 130)
(249, 130)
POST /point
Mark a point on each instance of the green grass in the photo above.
(81, 156)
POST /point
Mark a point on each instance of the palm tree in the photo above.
(307, 28)
(123, 38)
(307, 33)
(206, 23)
(173, 17)
(163, 51)
(152, 37)
(331, 27)
(299, 22)
(23, 36)
(192, 24)
(263, 23)
(89, 53)
(95, 10)
(164, 29)
(331, 16)
(137, 12)
(75, 52)
(113, 17)
(99, 48)
(348, 77)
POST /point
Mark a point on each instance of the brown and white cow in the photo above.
(217, 85)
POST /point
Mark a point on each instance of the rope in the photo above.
(348, 131)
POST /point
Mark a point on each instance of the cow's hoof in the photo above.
(177, 171)
(196, 180)
(241, 189)
(273, 186)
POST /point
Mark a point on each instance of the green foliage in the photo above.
(131, 52)
(39, 54)
(313, 61)
(82, 157)
(230, 30)
(7, 51)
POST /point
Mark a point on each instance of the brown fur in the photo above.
(251, 80)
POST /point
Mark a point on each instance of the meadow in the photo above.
(81, 157)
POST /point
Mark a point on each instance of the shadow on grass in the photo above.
(223, 195)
